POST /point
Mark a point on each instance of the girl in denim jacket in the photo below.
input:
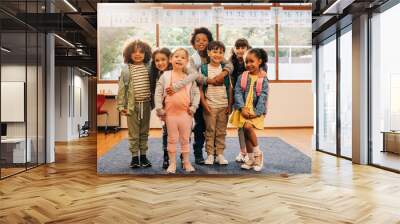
(251, 93)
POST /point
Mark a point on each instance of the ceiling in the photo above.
(77, 22)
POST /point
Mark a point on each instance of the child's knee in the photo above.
(171, 148)
(184, 142)
(247, 127)
(172, 139)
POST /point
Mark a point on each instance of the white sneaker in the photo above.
(221, 160)
(242, 158)
(258, 162)
(209, 160)
(249, 164)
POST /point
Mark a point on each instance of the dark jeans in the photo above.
(199, 132)
(165, 137)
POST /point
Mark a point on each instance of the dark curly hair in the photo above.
(261, 54)
(202, 30)
(166, 52)
(134, 45)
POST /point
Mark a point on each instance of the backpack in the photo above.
(227, 80)
(243, 83)
(260, 80)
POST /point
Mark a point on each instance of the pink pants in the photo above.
(179, 126)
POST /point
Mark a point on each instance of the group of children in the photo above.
(204, 86)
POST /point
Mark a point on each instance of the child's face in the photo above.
(200, 42)
(216, 55)
(239, 51)
(252, 62)
(137, 56)
(179, 59)
(161, 61)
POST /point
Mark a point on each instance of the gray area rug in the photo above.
(279, 158)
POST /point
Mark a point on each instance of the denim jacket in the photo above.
(259, 102)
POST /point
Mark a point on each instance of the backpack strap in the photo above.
(204, 72)
(259, 85)
(260, 81)
(204, 69)
(243, 81)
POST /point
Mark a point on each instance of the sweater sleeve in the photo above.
(195, 95)
(122, 92)
(193, 75)
(159, 96)
(228, 66)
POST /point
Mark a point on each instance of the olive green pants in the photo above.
(138, 128)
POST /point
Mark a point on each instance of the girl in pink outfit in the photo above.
(177, 110)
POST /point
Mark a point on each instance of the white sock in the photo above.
(256, 149)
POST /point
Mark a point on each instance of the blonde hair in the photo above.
(180, 49)
(186, 53)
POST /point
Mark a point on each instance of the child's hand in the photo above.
(245, 113)
(210, 81)
(161, 114)
(251, 115)
(207, 109)
(219, 79)
(162, 117)
(170, 91)
(190, 112)
(228, 110)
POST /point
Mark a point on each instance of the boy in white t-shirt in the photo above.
(216, 101)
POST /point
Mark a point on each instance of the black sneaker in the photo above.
(135, 162)
(199, 160)
(144, 162)
(181, 157)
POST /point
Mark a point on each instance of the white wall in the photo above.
(290, 105)
(71, 103)
(61, 103)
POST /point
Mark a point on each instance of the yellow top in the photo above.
(238, 120)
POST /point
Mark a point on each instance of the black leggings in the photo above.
(165, 137)
(198, 131)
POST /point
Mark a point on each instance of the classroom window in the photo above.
(294, 43)
(385, 89)
(327, 96)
